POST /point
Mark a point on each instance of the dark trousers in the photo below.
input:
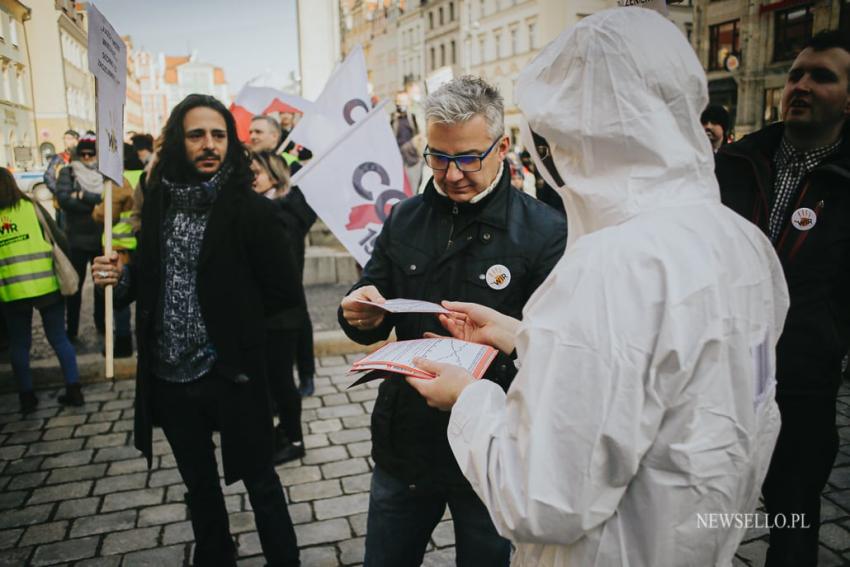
(402, 517)
(188, 414)
(799, 469)
(279, 354)
(304, 356)
(81, 259)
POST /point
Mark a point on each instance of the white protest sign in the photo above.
(344, 101)
(108, 64)
(353, 185)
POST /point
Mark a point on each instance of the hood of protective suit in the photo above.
(622, 122)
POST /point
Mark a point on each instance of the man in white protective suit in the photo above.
(642, 420)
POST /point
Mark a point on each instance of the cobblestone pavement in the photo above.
(73, 490)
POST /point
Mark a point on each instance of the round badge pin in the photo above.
(498, 276)
(804, 219)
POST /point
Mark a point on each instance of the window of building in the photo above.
(21, 82)
(454, 52)
(481, 9)
(442, 55)
(532, 31)
(13, 32)
(772, 99)
(844, 17)
(497, 37)
(433, 59)
(724, 39)
(514, 49)
(451, 11)
(6, 92)
(3, 26)
(481, 58)
(689, 30)
(430, 20)
(441, 15)
(793, 29)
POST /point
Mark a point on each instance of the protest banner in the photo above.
(259, 101)
(108, 63)
(343, 101)
(353, 185)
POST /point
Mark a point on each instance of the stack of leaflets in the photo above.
(396, 359)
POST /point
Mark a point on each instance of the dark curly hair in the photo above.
(172, 163)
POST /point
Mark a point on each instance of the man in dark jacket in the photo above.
(470, 237)
(793, 180)
(213, 266)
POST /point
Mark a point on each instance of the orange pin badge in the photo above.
(804, 219)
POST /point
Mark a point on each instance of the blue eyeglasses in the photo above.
(466, 163)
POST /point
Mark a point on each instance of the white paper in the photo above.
(398, 356)
(108, 63)
(407, 306)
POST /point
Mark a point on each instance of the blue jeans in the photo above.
(402, 517)
(19, 323)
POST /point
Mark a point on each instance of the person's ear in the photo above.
(504, 147)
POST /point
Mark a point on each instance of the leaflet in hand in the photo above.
(407, 306)
(397, 358)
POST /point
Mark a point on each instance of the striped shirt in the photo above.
(791, 166)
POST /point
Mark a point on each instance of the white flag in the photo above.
(353, 185)
(344, 101)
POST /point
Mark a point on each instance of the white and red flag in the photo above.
(353, 185)
(253, 101)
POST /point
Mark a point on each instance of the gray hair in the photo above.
(461, 99)
(275, 125)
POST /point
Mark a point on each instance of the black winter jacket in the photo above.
(83, 232)
(433, 249)
(816, 262)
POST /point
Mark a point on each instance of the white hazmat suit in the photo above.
(644, 400)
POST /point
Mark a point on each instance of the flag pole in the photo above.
(107, 313)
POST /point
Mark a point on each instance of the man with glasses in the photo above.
(469, 236)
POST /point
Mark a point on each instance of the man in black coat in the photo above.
(469, 237)
(213, 266)
(792, 179)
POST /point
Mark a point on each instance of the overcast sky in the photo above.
(246, 38)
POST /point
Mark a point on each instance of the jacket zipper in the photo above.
(452, 229)
(804, 234)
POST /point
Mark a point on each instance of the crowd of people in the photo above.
(667, 305)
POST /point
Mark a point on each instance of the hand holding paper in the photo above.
(478, 324)
(444, 389)
(359, 308)
(407, 306)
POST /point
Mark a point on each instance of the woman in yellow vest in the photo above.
(27, 281)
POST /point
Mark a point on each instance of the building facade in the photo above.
(133, 118)
(184, 75)
(18, 144)
(747, 49)
(319, 48)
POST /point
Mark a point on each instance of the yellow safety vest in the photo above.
(288, 158)
(123, 237)
(132, 176)
(26, 258)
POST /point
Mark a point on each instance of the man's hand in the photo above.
(443, 391)
(361, 316)
(478, 324)
(106, 270)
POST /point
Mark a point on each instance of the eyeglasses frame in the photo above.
(454, 158)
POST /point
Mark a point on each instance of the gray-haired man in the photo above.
(469, 237)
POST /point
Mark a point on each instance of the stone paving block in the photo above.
(357, 483)
(291, 476)
(15, 557)
(44, 533)
(180, 532)
(352, 551)
(840, 478)
(443, 535)
(130, 540)
(335, 400)
(12, 499)
(117, 405)
(167, 462)
(319, 557)
(345, 468)
(164, 478)
(113, 561)
(24, 425)
(71, 474)
(72, 459)
(315, 441)
(328, 531)
(162, 514)
(110, 454)
(255, 561)
(347, 410)
(364, 420)
(324, 391)
(54, 447)
(320, 382)
(26, 480)
(103, 523)
(23, 438)
(47, 412)
(315, 490)
(363, 395)
(160, 557)
(89, 429)
(300, 513)
(369, 406)
(358, 523)
(753, 552)
(241, 522)
(841, 498)
(8, 538)
(70, 550)
(109, 440)
(827, 558)
(829, 511)
(341, 506)
(440, 558)
(325, 426)
(109, 416)
(175, 493)
(311, 403)
(21, 465)
(12, 452)
(160, 448)
(123, 425)
(77, 508)
(119, 483)
(127, 467)
(308, 416)
(325, 455)
(66, 420)
(350, 436)
(235, 488)
(363, 449)
(835, 537)
(57, 433)
(132, 499)
(249, 544)
(335, 360)
(233, 503)
(25, 516)
(65, 491)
